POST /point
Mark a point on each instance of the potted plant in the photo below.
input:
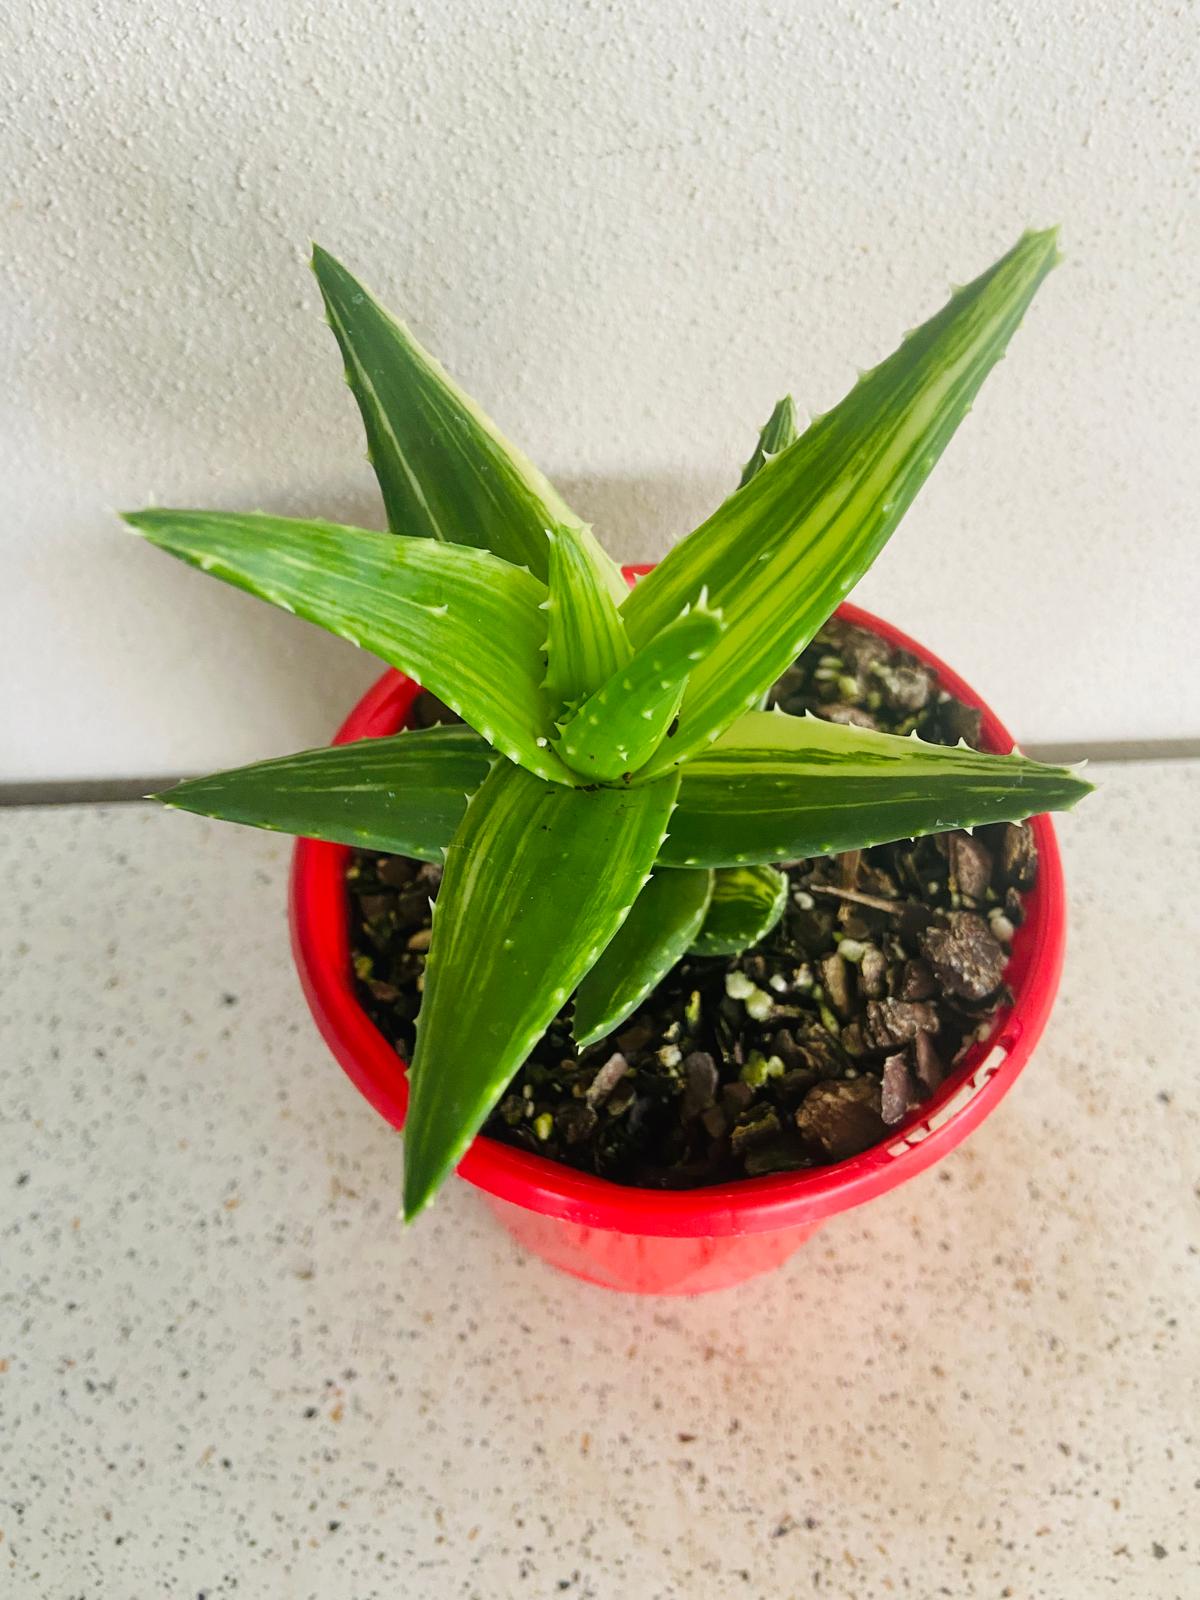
(619, 820)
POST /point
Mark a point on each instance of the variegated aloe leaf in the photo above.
(585, 637)
(778, 432)
(445, 469)
(780, 554)
(538, 879)
(616, 730)
(666, 917)
(405, 794)
(773, 788)
(746, 904)
(467, 624)
(776, 788)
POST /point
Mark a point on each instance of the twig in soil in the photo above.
(892, 907)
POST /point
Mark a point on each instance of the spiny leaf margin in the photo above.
(781, 788)
(403, 794)
(780, 554)
(538, 879)
(463, 622)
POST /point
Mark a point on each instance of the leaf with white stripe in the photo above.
(616, 730)
(779, 788)
(666, 917)
(746, 904)
(585, 637)
(778, 432)
(445, 470)
(538, 880)
(779, 555)
(405, 794)
(466, 624)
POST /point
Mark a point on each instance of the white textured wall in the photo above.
(627, 228)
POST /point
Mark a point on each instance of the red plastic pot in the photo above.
(644, 1240)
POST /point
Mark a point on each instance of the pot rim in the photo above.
(319, 917)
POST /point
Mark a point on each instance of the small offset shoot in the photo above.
(615, 800)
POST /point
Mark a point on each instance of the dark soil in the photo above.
(887, 965)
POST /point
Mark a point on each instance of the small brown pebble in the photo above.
(412, 908)
(735, 1097)
(700, 1083)
(970, 865)
(373, 906)
(966, 959)
(853, 1041)
(917, 981)
(876, 881)
(956, 721)
(512, 1108)
(1018, 856)
(835, 976)
(791, 1088)
(396, 871)
(763, 1145)
(849, 716)
(636, 1037)
(821, 1052)
(930, 1072)
(905, 688)
(898, 1095)
(842, 1118)
(760, 1123)
(606, 1079)
(894, 1022)
(858, 647)
(620, 1099)
(872, 974)
(715, 1122)
(575, 1121)
(783, 1044)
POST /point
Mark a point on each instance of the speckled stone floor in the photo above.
(225, 1370)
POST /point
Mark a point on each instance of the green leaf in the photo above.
(779, 788)
(779, 555)
(405, 794)
(538, 880)
(463, 622)
(666, 917)
(617, 729)
(778, 432)
(586, 640)
(746, 904)
(445, 469)
(773, 788)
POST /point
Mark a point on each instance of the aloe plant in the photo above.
(616, 797)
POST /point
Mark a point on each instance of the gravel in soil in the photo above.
(809, 1047)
